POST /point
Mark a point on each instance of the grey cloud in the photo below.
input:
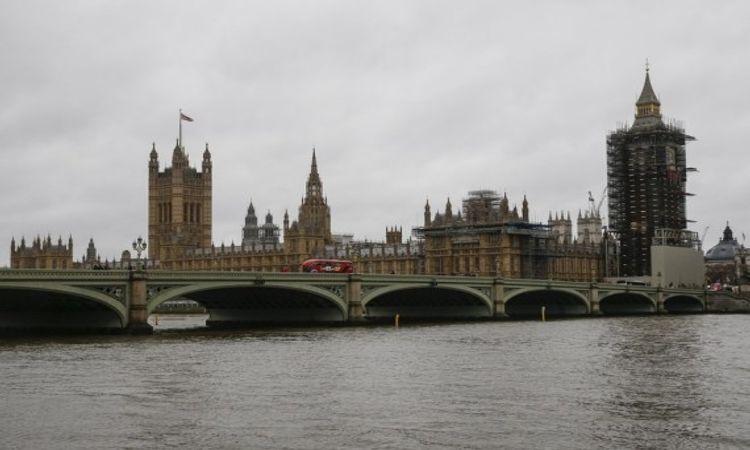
(404, 100)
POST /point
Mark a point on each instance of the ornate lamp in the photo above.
(139, 245)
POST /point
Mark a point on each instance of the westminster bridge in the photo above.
(123, 300)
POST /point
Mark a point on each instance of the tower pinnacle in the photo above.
(314, 185)
(648, 107)
(647, 93)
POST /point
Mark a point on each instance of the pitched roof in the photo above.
(647, 94)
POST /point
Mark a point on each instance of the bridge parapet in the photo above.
(63, 275)
(185, 276)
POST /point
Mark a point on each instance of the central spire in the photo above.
(648, 106)
(647, 93)
(314, 185)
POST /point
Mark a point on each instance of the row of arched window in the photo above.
(191, 212)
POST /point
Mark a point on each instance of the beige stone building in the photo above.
(179, 242)
(394, 256)
(41, 254)
(484, 238)
(491, 239)
(179, 206)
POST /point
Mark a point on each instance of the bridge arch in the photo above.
(247, 302)
(560, 302)
(683, 304)
(423, 301)
(626, 303)
(30, 306)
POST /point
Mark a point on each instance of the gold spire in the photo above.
(648, 106)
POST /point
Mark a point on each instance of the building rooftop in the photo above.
(726, 249)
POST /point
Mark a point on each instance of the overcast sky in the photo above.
(403, 101)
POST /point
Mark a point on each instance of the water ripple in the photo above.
(643, 382)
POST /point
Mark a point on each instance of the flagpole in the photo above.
(179, 140)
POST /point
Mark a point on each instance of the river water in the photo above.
(638, 382)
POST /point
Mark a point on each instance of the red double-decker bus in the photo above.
(328, 266)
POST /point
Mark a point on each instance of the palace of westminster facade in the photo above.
(484, 237)
(488, 239)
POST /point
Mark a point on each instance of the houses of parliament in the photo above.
(485, 236)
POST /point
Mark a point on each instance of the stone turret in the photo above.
(561, 228)
(448, 211)
(267, 233)
(393, 235)
(153, 162)
(589, 227)
(312, 230)
(206, 160)
(91, 251)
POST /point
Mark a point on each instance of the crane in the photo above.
(705, 231)
(594, 207)
(601, 200)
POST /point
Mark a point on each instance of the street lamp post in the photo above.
(738, 272)
(139, 245)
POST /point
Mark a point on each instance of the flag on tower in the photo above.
(186, 119)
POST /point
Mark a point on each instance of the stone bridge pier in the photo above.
(137, 303)
(354, 299)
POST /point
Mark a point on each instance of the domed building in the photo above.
(723, 258)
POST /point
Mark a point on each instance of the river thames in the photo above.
(646, 382)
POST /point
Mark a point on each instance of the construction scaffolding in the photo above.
(482, 206)
(646, 178)
(536, 230)
(677, 238)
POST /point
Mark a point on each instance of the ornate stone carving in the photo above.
(487, 291)
(115, 292)
(153, 291)
(366, 289)
(336, 289)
